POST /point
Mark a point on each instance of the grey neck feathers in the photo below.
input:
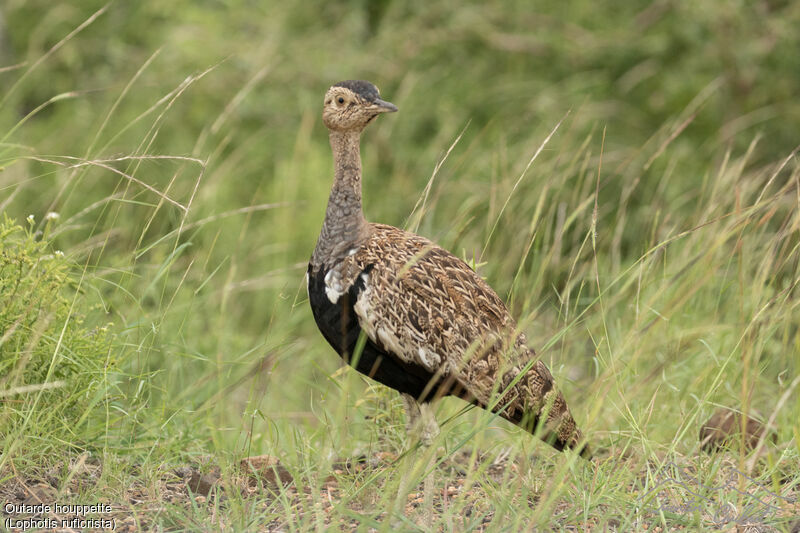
(344, 227)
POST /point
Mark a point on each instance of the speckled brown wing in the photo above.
(428, 308)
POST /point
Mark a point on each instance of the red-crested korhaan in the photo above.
(433, 326)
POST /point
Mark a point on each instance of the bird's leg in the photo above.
(421, 425)
(411, 407)
(429, 430)
(420, 420)
(428, 427)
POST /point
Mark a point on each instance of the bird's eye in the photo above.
(341, 100)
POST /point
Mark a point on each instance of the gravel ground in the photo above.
(260, 480)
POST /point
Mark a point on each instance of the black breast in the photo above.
(339, 325)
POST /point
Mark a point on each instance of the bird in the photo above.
(430, 325)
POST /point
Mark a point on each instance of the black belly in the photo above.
(339, 325)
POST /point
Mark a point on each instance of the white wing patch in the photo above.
(334, 288)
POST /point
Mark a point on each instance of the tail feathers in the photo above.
(534, 404)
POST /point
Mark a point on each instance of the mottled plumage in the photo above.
(433, 326)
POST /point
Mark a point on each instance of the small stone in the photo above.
(266, 468)
(202, 483)
(183, 472)
(724, 428)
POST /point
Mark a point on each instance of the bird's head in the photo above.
(352, 104)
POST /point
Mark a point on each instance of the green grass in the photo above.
(650, 249)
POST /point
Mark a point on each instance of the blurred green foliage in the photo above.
(510, 70)
(181, 144)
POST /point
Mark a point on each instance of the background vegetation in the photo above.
(650, 249)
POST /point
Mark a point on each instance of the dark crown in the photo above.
(364, 89)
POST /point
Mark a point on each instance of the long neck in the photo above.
(344, 225)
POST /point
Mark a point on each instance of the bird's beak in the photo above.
(383, 107)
